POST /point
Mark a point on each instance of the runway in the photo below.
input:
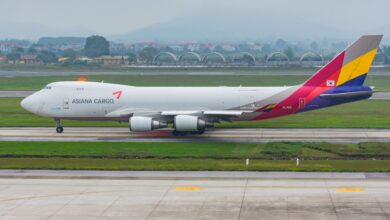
(175, 195)
(214, 135)
(22, 94)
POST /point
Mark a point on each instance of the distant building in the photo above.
(7, 47)
(63, 59)
(255, 46)
(84, 59)
(28, 59)
(3, 59)
(118, 48)
(113, 60)
(176, 48)
(228, 47)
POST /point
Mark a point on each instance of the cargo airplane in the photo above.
(191, 110)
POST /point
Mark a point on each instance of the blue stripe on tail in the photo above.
(358, 81)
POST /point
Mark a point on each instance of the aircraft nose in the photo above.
(29, 104)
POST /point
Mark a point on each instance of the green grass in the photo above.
(38, 82)
(363, 114)
(194, 164)
(381, 82)
(179, 150)
(195, 156)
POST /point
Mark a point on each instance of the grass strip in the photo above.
(195, 150)
(194, 164)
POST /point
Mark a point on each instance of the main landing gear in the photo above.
(59, 128)
(184, 133)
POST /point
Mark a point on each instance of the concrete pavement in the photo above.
(270, 196)
(254, 135)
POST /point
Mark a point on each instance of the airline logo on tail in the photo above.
(346, 73)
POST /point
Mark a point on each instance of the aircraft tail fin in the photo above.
(350, 67)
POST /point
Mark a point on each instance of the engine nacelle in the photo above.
(189, 123)
(140, 123)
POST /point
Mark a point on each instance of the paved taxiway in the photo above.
(177, 195)
(213, 135)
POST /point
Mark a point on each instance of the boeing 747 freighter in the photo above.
(194, 109)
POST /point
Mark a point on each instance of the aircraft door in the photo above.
(302, 103)
(65, 103)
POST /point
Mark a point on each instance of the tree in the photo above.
(96, 46)
(266, 49)
(248, 59)
(69, 53)
(32, 50)
(386, 50)
(218, 48)
(289, 53)
(132, 57)
(47, 57)
(19, 50)
(314, 46)
(281, 44)
(14, 56)
(148, 54)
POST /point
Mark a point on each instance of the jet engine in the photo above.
(140, 123)
(184, 123)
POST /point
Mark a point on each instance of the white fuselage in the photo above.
(93, 100)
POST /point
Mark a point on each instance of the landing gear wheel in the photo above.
(200, 131)
(60, 129)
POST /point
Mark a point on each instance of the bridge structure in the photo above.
(278, 58)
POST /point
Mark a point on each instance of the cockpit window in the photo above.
(47, 87)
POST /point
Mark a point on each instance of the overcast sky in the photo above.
(80, 17)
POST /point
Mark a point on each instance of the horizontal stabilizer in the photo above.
(347, 94)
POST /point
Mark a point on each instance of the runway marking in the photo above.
(188, 188)
(349, 189)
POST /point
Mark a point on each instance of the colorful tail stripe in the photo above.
(349, 68)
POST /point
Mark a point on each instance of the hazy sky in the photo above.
(80, 17)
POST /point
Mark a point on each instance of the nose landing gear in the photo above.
(59, 128)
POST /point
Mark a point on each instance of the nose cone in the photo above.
(29, 104)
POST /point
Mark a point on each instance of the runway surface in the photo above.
(215, 135)
(249, 195)
(22, 94)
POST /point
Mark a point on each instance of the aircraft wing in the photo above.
(127, 112)
(205, 113)
(211, 115)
